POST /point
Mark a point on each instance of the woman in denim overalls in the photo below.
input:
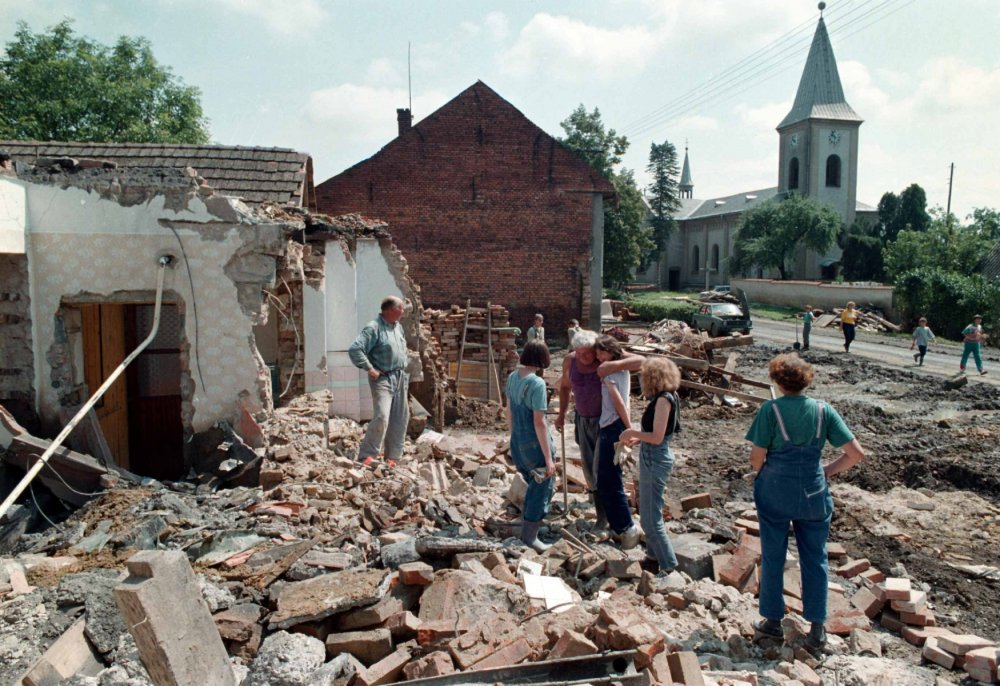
(531, 446)
(660, 379)
(791, 487)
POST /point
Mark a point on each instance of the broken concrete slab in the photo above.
(368, 646)
(694, 554)
(328, 594)
(460, 595)
(93, 590)
(286, 660)
(163, 608)
(400, 598)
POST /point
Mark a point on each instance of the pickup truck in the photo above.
(722, 319)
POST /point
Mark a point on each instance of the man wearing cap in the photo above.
(973, 337)
(380, 350)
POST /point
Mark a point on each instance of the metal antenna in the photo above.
(409, 78)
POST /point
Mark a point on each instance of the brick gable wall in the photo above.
(484, 205)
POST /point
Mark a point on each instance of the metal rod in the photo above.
(82, 412)
(565, 479)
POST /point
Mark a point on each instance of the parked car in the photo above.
(722, 319)
(718, 290)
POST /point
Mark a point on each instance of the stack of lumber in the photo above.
(869, 319)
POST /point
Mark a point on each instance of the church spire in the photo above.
(686, 186)
(820, 94)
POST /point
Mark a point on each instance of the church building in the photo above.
(817, 156)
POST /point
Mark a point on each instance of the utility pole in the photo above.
(951, 178)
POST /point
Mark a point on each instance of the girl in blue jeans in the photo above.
(788, 435)
(659, 379)
(531, 446)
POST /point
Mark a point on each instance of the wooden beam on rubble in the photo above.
(727, 342)
(722, 391)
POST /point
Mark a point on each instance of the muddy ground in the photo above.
(926, 447)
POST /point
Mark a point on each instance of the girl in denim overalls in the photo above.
(788, 435)
(660, 379)
(531, 446)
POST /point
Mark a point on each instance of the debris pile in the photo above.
(869, 319)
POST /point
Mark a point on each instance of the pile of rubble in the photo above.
(869, 319)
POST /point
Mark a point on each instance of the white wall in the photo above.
(12, 217)
(816, 293)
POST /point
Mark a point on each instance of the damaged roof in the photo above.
(257, 175)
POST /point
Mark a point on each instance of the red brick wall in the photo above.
(484, 205)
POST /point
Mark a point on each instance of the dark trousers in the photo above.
(610, 486)
(848, 335)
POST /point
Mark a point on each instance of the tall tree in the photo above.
(664, 197)
(627, 238)
(587, 137)
(56, 85)
(904, 212)
(771, 233)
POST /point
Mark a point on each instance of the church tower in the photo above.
(686, 186)
(818, 138)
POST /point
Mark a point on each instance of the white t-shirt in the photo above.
(622, 381)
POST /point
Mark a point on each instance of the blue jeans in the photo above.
(848, 335)
(655, 464)
(791, 488)
(805, 335)
(971, 348)
(391, 405)
(527, 455)
(610, 487)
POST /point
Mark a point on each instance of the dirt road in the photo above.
(941, 360)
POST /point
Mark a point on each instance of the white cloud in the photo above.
(570, 49)
(470, 29)
(288, 18)
(860, 88)
(696, 122)
(765, 117)
(367, 113)
(382, 71)
(497, 25)
(951, 83)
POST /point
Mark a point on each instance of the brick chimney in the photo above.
(405, 120)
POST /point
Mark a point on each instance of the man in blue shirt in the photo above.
(380, 350)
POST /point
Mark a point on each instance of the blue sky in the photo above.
(327, 77)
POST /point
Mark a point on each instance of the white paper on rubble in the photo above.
(551, 589)
(525, 567)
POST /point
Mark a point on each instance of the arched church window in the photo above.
(695, 259)
(715, 256)
(833, 171)
(793, 174)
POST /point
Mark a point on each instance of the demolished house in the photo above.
(245, 323)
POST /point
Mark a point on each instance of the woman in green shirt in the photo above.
(788, 435)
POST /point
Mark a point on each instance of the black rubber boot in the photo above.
(817, 637)
(769, 627)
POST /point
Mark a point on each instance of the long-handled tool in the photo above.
(565, 479)
(797, 345)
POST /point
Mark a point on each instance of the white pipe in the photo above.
(37, 467)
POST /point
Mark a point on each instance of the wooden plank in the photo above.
(825, 320)
(678, 359)
(82, 472)
(727, 342)
(70, 655)
(465, 330)
(721, 391)
(738, 378)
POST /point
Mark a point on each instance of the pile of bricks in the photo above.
(446, 327)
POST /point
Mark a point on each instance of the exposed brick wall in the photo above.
(485, 205)
(17, 365)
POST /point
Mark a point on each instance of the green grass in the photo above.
(780, 313)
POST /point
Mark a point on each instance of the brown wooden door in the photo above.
(103, 351)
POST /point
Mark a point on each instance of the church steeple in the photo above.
(820, 94)
(686, 186)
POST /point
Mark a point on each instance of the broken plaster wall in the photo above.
(361, 268)
(97, 236)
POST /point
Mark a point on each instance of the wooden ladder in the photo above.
(492, 376)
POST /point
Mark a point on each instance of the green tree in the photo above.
(942, 246)
(587, 137)
(627, 237)
(664, 196)
(985, 223)
(771, 233)
(56, 85)
(904, 212)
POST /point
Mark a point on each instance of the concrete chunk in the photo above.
(328, 594)
(694, 555)
(173, 629)
(368, 646)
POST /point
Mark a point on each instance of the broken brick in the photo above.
(916, 602)
(932, 652)
(685, 668)
(749, 525)
(385, 671)
(502, 573)
(923, 618)
(416, 574)
(435, 631)
(572, 644)
(866, 601)
(698, 501)
(960, 644)
(511, 654)
(982, 659)
(677, 600)
(842, 623)
(896, 589)
(918, 635)
(627, 638)
(437, 663)
(400, 598)
(801, 672)
(739, 568)
(835, 550)
(853, 568)
(368, 646)
(402, 625)
(872, 576)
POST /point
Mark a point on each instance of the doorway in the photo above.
(140, 415)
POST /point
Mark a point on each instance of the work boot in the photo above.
(769, 627)
(602, 517)
(630, 537)
(648, 564)
(817, 636)
(529, 536)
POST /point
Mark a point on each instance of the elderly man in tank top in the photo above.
(581, 376)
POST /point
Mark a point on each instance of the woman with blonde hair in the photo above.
(660, 380)
(788, 435)
(848, 321)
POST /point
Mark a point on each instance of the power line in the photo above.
(753, 71)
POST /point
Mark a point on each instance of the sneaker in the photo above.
(769, 627)
(630, 537)
(371, 462)
(817, 637)
(916, 357)
(982, 372)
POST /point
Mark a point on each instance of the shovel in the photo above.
(796, 345)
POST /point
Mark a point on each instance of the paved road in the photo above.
(942, 360)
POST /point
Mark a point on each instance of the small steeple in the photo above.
(820, 94)
(686, 186)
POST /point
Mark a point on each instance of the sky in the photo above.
(326, 77)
